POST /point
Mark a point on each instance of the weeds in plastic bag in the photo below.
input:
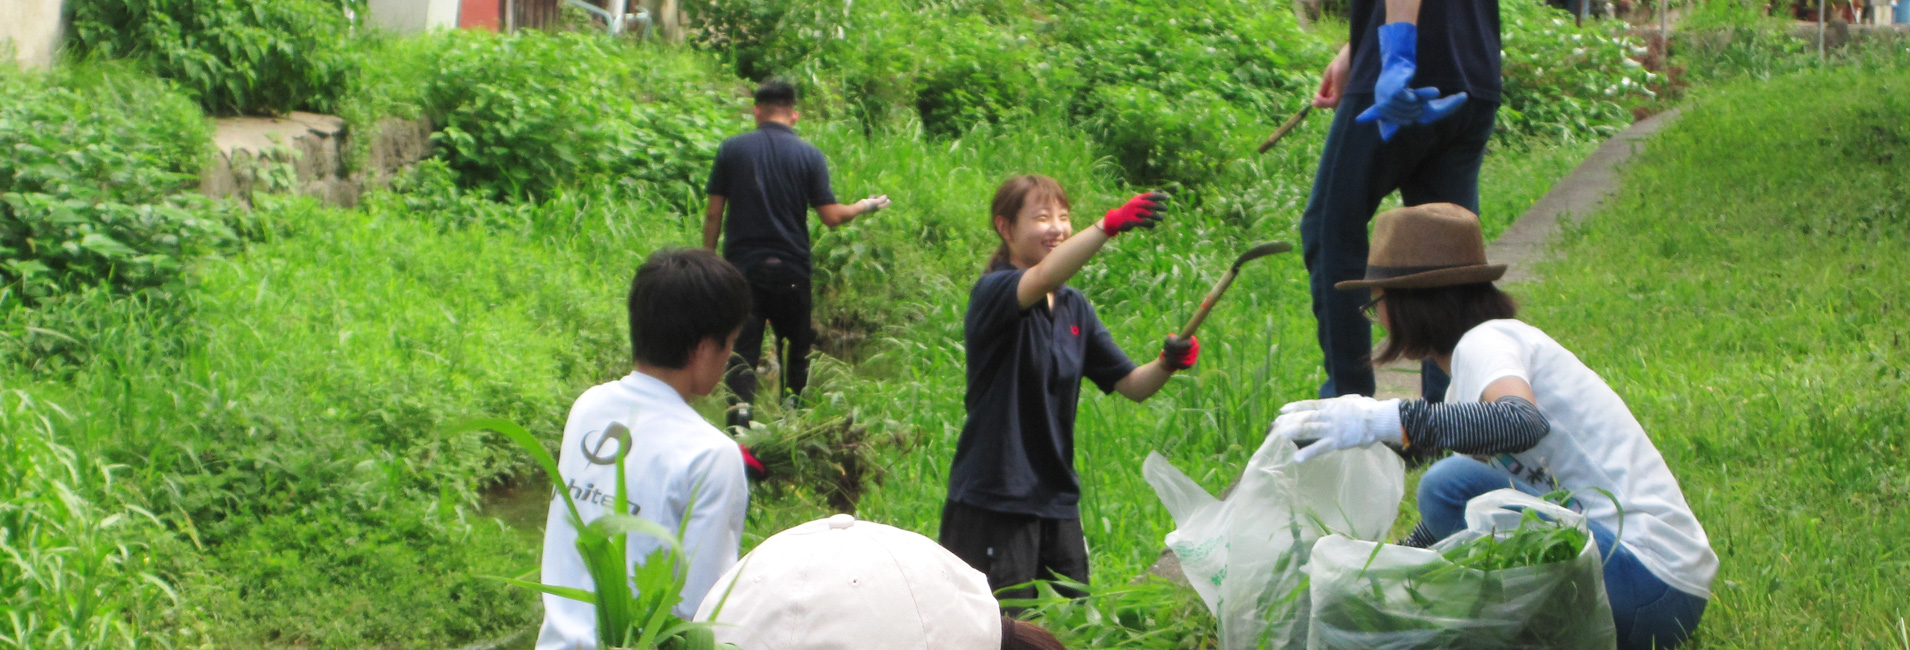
(1153, 614)
(1536, 584)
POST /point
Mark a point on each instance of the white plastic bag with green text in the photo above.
(1245, 555)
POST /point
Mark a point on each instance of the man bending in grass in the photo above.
(686, 307)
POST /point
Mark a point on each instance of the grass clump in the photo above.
(1534, 542)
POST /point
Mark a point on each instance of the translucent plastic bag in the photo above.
(1368, 595)
(1245, 555)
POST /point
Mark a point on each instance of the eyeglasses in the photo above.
(1371, 308)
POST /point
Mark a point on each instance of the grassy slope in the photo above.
(1744, 293)
(282, 420)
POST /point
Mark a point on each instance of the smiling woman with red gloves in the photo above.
(1031, 339)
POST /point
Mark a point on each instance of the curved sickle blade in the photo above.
(1227, 280)
(1262, 250)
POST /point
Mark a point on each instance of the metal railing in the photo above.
(619, 17)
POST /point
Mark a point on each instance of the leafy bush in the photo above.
(1157, 138)
(1721, 39)
(525, 114)
(1567, 82)
(236, 56)
(98, 182)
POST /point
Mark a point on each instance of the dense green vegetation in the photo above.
(234, 56)
(97, 184)
(228, 428)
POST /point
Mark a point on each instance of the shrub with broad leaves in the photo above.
(97, 182)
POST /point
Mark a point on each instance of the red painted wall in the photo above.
(479, 14)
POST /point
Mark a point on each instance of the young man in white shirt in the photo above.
(686, 307)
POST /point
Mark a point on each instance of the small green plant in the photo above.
(639, 618)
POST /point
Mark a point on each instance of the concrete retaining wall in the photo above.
(307, 153)
(413, 16)
(32, 29)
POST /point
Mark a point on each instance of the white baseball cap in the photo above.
(841, 583)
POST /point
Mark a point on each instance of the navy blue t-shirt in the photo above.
(1025, 367)
(1458, 47)
(769, 179)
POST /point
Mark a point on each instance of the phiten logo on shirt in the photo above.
(1074, 329)
(592, 446)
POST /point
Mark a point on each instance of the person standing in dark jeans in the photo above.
(1434, 102)
(768, 180)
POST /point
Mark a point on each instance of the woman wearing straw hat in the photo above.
(1522, 411)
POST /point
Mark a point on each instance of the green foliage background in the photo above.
(97, 184)
(226, 428)
(235, 56)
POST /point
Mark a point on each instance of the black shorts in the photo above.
(1012, 549)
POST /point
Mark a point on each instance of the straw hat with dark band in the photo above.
(1425, 246)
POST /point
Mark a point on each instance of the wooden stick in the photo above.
(1285, 128)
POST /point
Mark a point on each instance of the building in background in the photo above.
(413, 16)
(31, 29)
(652, 18)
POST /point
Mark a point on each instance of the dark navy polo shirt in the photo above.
(1458, 47)
(769, 179)
(1025, 367)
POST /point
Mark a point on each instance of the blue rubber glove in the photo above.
(1394, 103)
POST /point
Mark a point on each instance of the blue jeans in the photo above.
(1427, 163)
(1647, 612)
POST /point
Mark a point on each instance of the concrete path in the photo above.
(1523, 245)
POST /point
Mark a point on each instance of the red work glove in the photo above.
(751, 466)
(1142, 211)
(1178, 354)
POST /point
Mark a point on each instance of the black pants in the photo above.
(780, 295)
(1427, 163)
(1012, 549)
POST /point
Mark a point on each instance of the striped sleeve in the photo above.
(1510, 424)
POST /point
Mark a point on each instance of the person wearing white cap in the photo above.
(842, 583)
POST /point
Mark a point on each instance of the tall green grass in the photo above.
(1745, 294)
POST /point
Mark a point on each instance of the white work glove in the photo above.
(1340, 423)
(874, 203)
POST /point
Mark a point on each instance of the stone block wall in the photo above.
(308, 154)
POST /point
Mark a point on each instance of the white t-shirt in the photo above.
(674, 454)
(1594, 443)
